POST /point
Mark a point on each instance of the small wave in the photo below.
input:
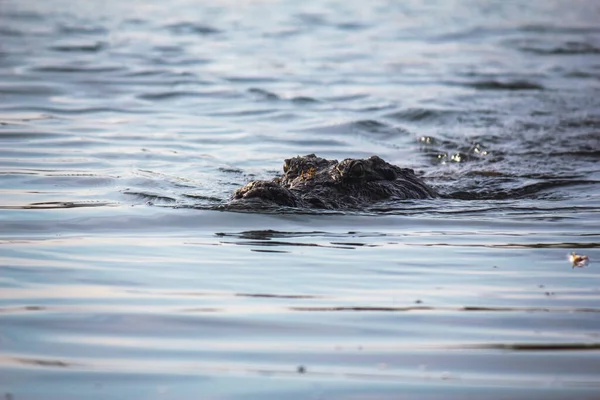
(351, 26)
(179, 94)
(304, 100)
(347, 97)
(185, 28)
(23, 16)
(535, 346)
(553, 29)
(149, 197)
(504, 85)
(10, 32)
(70, 69)
(269, 234)
(459, 309)
(579, 154)
(20, 309)
(278, 296)
(422, 114)
(202, 197)
(372, 128)
(282, 33)
(231, 170)
(488, 192)
(179, 61)
(28, 118)
(73, 111)
(135, 21)
(263, 94)
(311, 19)
(582, 74)
(29, 135)
(244, 113)
(30, 89)
(158, 77)
(61, 204)
(81, 30)
(169, 49)
(569, 48)
(251, 79)
(279, 243)
(146, 72)
(44, 362)
(80, 48)
(369, 124)
(474, 33)
(584, 122)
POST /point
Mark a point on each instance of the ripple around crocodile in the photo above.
(314, 182)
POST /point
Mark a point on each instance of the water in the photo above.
(125, 126)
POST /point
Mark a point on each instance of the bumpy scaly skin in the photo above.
(314, 182)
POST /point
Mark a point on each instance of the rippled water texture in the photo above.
(125, 127)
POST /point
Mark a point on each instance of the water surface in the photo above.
(125, 127)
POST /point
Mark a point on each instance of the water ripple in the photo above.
(83, 69)
(90, 47)
(186, 28)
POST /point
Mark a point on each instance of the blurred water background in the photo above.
(126, 125)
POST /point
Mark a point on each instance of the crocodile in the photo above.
(314, 182)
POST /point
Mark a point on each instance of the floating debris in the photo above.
(579, 260)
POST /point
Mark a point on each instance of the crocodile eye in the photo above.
(285, 167)
(357, 170)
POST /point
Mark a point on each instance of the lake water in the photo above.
(126, 125)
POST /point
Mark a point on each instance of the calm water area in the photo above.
(125, 126)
